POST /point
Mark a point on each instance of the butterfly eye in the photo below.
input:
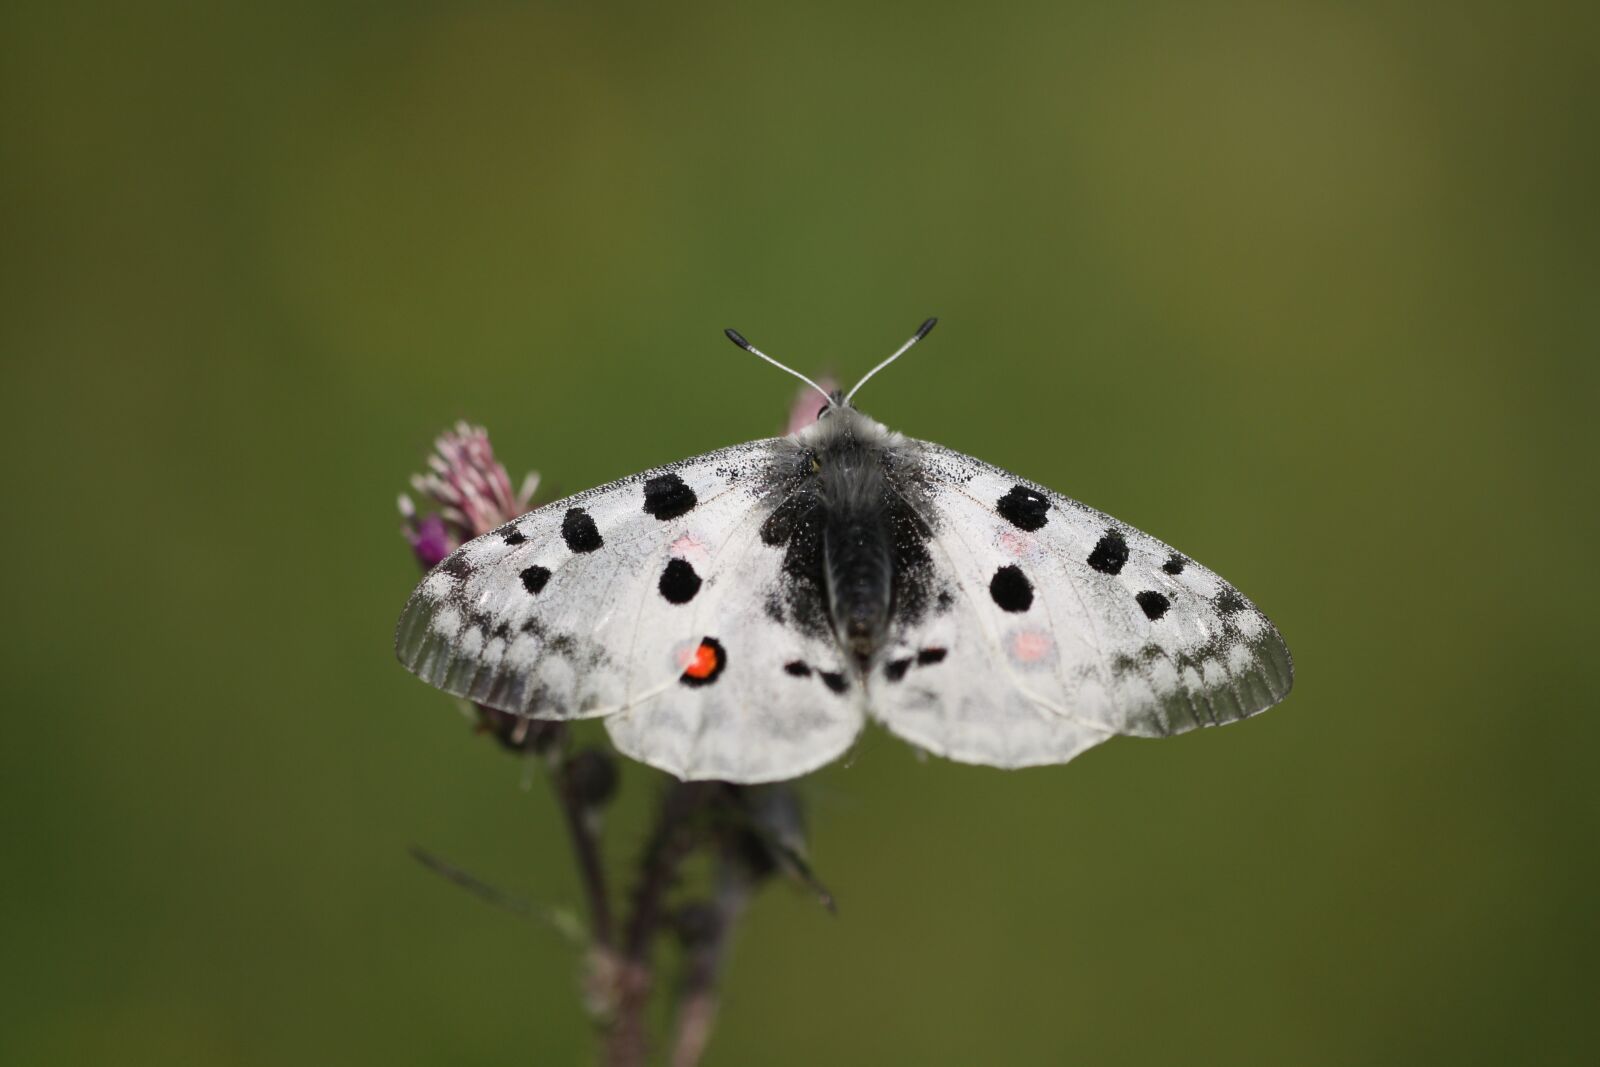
(822, 412)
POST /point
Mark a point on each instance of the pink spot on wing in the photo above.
(1015, 545)
(1031, 646)
(687, 548)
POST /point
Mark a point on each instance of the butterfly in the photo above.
(739, 615)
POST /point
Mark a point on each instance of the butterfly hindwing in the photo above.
(943, 683)
(1063, 612)
(782, 702)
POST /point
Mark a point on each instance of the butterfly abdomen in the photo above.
(860, 576)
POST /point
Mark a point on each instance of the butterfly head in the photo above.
(839, 421)
(841, 425)
(837, 401)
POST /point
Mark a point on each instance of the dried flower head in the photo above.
(473, 494)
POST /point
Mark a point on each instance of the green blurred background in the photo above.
(1306, 289)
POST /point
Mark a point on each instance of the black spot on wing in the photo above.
(797, 668)
(1024, 508)
(667, 497)
(1154, 604)
(1175, 564)
(1011, 589)
(896, 669)
(534, 578)
(679, 583)
(834, 680)
(513, 536)
(1110, 553)
(579, 531)
(456, 565)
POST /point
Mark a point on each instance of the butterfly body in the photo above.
(739, 615)
(854, 548)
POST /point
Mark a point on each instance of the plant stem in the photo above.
(697, 999)
(673, 838)
(582, 829)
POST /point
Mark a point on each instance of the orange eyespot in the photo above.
(702, 662)
(702, 665)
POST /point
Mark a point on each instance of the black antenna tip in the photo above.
(922, 331)
(738, 338)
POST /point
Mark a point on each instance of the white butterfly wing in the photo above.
(783, 702)
(644, 600)
(1066, 627)
(944, 687)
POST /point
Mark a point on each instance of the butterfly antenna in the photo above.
(922, 331)
(738, 338)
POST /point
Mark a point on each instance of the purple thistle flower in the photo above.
(473, 494)
(429, 536)
(470, 488)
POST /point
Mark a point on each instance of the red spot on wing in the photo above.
(702, 663)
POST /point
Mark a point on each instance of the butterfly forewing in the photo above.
(565, 612)
(1089, 618)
